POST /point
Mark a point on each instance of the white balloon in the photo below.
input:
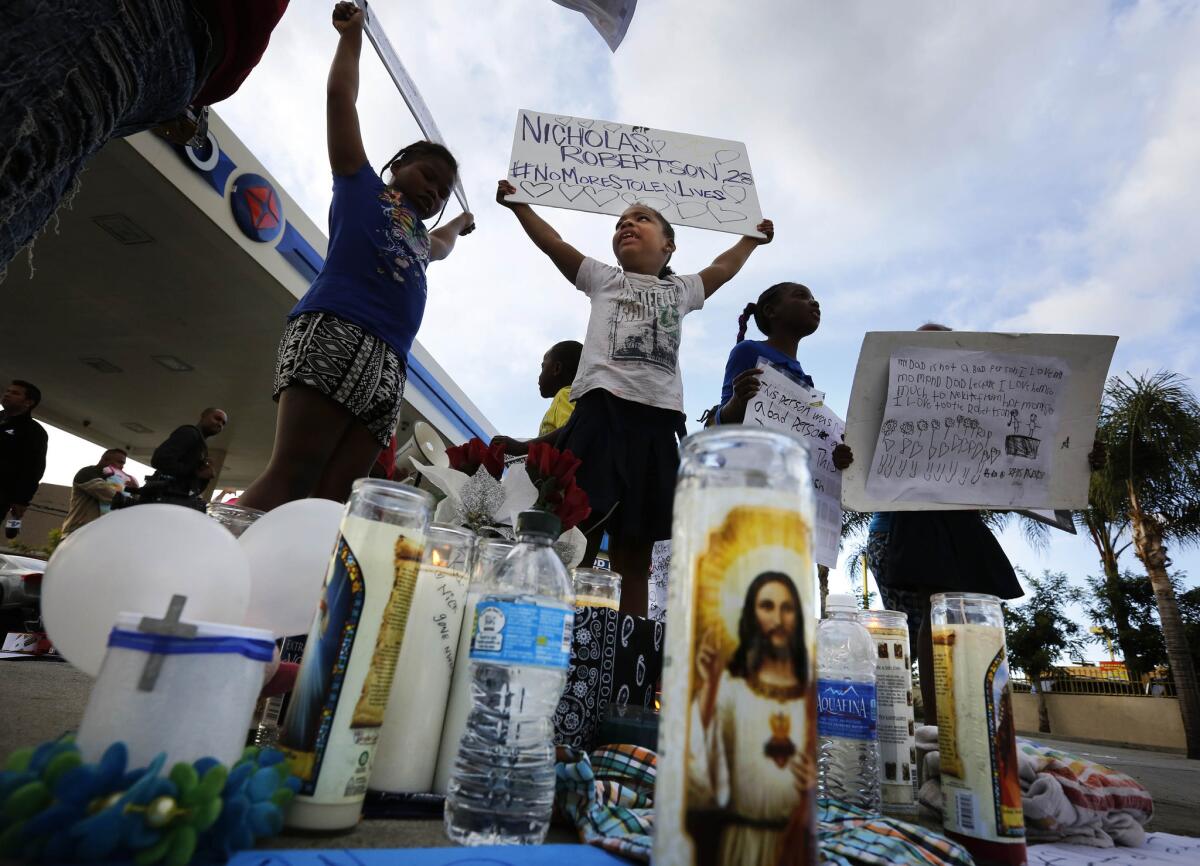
(288, 549)
(135, 559)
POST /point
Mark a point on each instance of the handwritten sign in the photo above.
(943, 420)
(968, 427)
(782, 404)
(603, 167)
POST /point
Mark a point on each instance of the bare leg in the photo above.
(352, 459)
(308, 427)
(631, 559)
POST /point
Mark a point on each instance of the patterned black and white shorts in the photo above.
(348, 365)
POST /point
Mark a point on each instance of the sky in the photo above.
(1022, 166)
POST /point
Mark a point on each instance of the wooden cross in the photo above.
(168, 625)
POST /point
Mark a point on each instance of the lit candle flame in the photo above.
(437, 559)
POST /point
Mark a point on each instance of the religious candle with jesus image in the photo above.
(737, 736)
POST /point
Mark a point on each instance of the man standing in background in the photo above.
(182, 466)
(23, 444)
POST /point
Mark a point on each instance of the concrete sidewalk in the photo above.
(44, 699)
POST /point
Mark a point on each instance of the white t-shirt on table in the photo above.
(632, 345)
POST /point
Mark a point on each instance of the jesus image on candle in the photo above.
(749, 746)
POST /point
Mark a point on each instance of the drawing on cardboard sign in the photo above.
(951, 419)
(603, 167)
(960, 426)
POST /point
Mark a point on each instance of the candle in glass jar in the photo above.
(488, 555)
(412, 727)
(595, 587)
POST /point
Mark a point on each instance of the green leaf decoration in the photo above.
(27, 800)
(18, 761)
(183, 846)
(61, 764)
(185, 778)
(153, 854)
(211, 785)
(206, 814)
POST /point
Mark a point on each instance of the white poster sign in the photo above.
(785, 405)
(603, 167)
(945, 419)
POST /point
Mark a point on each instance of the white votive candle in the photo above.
(412, 727)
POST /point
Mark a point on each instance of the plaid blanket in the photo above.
(609, 797)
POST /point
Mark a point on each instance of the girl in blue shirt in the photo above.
(786, 313)
(339, 379)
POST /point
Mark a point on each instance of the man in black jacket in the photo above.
(182, 466)
(22, 448)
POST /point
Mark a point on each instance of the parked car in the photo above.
(20, 582)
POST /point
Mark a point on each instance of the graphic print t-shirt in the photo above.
(632, 345)
(374, 274)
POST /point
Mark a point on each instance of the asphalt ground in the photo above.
(40, 700)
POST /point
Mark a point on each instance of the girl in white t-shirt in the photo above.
(628, 392)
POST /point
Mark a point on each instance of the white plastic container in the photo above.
(201, 702)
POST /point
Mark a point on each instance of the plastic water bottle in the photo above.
(848, 757)
(502, 788)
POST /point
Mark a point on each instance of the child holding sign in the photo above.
(628, 392)
(786, 313)
(339, 378)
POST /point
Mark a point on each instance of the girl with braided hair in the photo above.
(786, 313)
(339, 378)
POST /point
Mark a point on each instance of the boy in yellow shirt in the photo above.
(559, 366)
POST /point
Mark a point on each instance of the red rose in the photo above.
(574, 508)
(546, 461)
(553, 474)
(469, 457)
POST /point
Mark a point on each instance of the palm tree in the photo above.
(1151, 425)
(853, 523)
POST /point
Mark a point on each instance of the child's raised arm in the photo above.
(441, 240)
(346, 152)
(565, 257)
(725, 266)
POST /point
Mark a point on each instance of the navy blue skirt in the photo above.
(630, 454)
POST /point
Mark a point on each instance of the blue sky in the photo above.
(1019, 166)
